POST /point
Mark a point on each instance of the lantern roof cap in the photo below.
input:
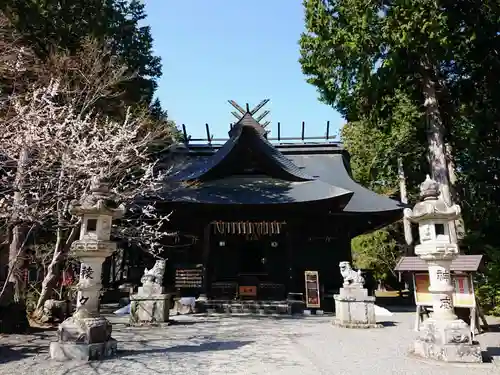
(429, 189)
(99, 200)
(432, 206)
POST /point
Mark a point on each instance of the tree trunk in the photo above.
(459, 223)
(50, 279)
(16, 260)
(10, 285)
(17, 254)
(404, 199)
(60, 252)
(435, 138)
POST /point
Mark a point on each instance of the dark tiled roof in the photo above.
(247, 121)
(332, 168)
(259, 190)
(325, 162)
(470, 263)
(228, 156)
(285, 148)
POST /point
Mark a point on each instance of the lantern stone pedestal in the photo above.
(443, 336)
(150, 305)
(354, 308)
(83, 337)
(87, 335)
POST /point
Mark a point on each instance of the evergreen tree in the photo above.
(52, 26)
(411, 76)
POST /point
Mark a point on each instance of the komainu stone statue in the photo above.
(351, 277)
(354, 308)
(155, 274)
(151, 304)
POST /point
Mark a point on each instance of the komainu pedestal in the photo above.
(354, 308)
(152, 308)
(151, 304)
(83, 337)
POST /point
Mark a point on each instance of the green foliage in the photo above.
(50, 26)
(358, 51)
(376, 143)
(374, 146)
(489, 296)
(488, 283)
(377, 251)
(368, 59)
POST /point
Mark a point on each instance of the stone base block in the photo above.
(84, 327)
(356, 293)
(149, 309)
(341, 324)
(150, 290)
(183, 309)
(66, 351)
(448, 341)
(446, 331)
(355, 309)
(464, 353)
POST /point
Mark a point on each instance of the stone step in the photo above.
(249, 307)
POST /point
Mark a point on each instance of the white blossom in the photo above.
(65, 150)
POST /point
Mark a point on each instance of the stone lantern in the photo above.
(87, 335)
(444, 336)
(97, 211)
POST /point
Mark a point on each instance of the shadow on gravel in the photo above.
(10, 353)
(204, 347)
(42, 330)
(396, 308)
(491, 354)
(492, 328)
(388, 324)
(172, 322)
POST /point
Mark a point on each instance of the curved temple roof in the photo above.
(247, 138)
(260, 190)
(332, 170)
(249, 170)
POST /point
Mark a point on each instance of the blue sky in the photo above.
(217, 50)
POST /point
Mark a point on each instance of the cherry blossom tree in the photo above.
(52, 143)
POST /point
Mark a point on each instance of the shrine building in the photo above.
(261, 213)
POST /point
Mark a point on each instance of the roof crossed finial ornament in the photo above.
(240, 111)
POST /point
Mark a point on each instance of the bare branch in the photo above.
(56, 121)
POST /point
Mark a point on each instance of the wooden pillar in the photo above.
(205, 259)
(290, 285)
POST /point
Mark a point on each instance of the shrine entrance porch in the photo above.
(248, 268)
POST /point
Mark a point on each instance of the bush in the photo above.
(489, 298)
(488, 284)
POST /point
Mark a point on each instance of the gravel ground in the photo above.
(246, 345)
